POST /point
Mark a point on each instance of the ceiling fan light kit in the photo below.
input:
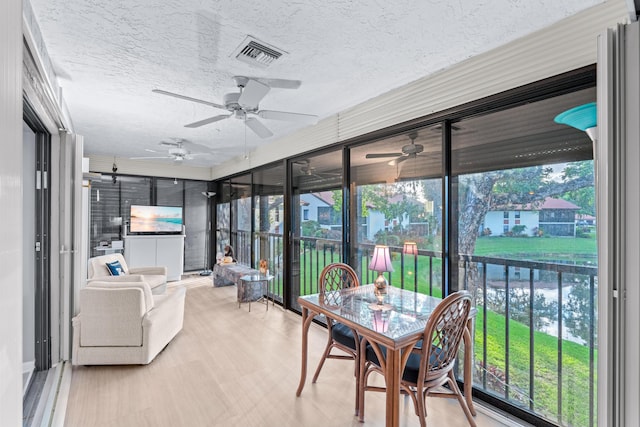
(244, 105)
(177, 151)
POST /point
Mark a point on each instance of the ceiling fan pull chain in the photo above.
(246, 155)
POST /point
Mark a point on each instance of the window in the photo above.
(305, 214)
(394, 205)
(501, 161)
(326, 216)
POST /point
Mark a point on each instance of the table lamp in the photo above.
(381, 262)
(410, 248)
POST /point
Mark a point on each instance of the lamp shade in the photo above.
(581, 117)
(410, 248)
(381, 259)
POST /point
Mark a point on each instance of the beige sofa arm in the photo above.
(124, 278)
(162, 271)
(165, 320)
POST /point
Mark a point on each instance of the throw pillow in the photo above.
(115, 269)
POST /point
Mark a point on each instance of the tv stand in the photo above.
(156, 250)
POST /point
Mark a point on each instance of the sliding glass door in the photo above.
(268, 223)
(526, 249)
(316, 219)
(396, 199)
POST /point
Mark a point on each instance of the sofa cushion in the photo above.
(115, 268)
(97, 266)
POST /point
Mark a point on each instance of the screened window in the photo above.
(534, 285)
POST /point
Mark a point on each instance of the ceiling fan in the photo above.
(177, 151)
(307, 170)
(409, 151)
(244, 105)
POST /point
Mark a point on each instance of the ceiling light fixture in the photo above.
(583, 117)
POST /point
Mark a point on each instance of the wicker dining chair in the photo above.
(428, 367)
(333, 278)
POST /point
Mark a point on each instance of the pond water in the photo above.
(551, 296)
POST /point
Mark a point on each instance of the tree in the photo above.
(577, 311)
(479, 193)
(583, 197)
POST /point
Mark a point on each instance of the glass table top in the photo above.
(403, 313)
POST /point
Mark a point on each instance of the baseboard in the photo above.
(499, 416)
(52, 407)
(28, 368)
(62, 396)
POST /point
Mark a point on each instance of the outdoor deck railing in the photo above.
(534, 277)
(506, 294)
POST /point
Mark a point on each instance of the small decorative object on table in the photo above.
(263, 266)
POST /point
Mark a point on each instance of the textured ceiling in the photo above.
(109, 55)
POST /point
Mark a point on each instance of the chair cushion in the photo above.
(412, 368)
(115, 268)
(97, 266)
(344, 335)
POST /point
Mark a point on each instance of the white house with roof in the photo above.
(552, 217)
(319, 207)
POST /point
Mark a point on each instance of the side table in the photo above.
(249, 284)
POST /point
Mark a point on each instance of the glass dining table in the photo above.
(397, 324)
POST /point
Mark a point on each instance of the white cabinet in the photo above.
(159, 250)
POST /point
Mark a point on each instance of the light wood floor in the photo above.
(229, 367)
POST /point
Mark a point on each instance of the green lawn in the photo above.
(538, 248)
(575, 368)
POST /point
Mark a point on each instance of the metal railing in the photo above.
(521, 283)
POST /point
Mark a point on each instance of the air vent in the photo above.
(257, 53)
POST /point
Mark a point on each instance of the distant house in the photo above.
(552, 217)
(585, 219)
(319, 207)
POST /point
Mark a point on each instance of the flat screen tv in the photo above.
(155, 220)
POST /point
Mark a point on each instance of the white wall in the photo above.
(494, 220)
(376, 222)
(11, 213)
(313, 204)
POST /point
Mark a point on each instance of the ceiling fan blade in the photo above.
(278, 83)
(200, 147)
(252, 94)
(200, 154)
(260, 129)
(207, 121)
(292, 117)
(188, 98)
(398, 160)
(146, 158)
(381, 155)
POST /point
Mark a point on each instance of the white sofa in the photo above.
(123, 323)
(156, 277)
